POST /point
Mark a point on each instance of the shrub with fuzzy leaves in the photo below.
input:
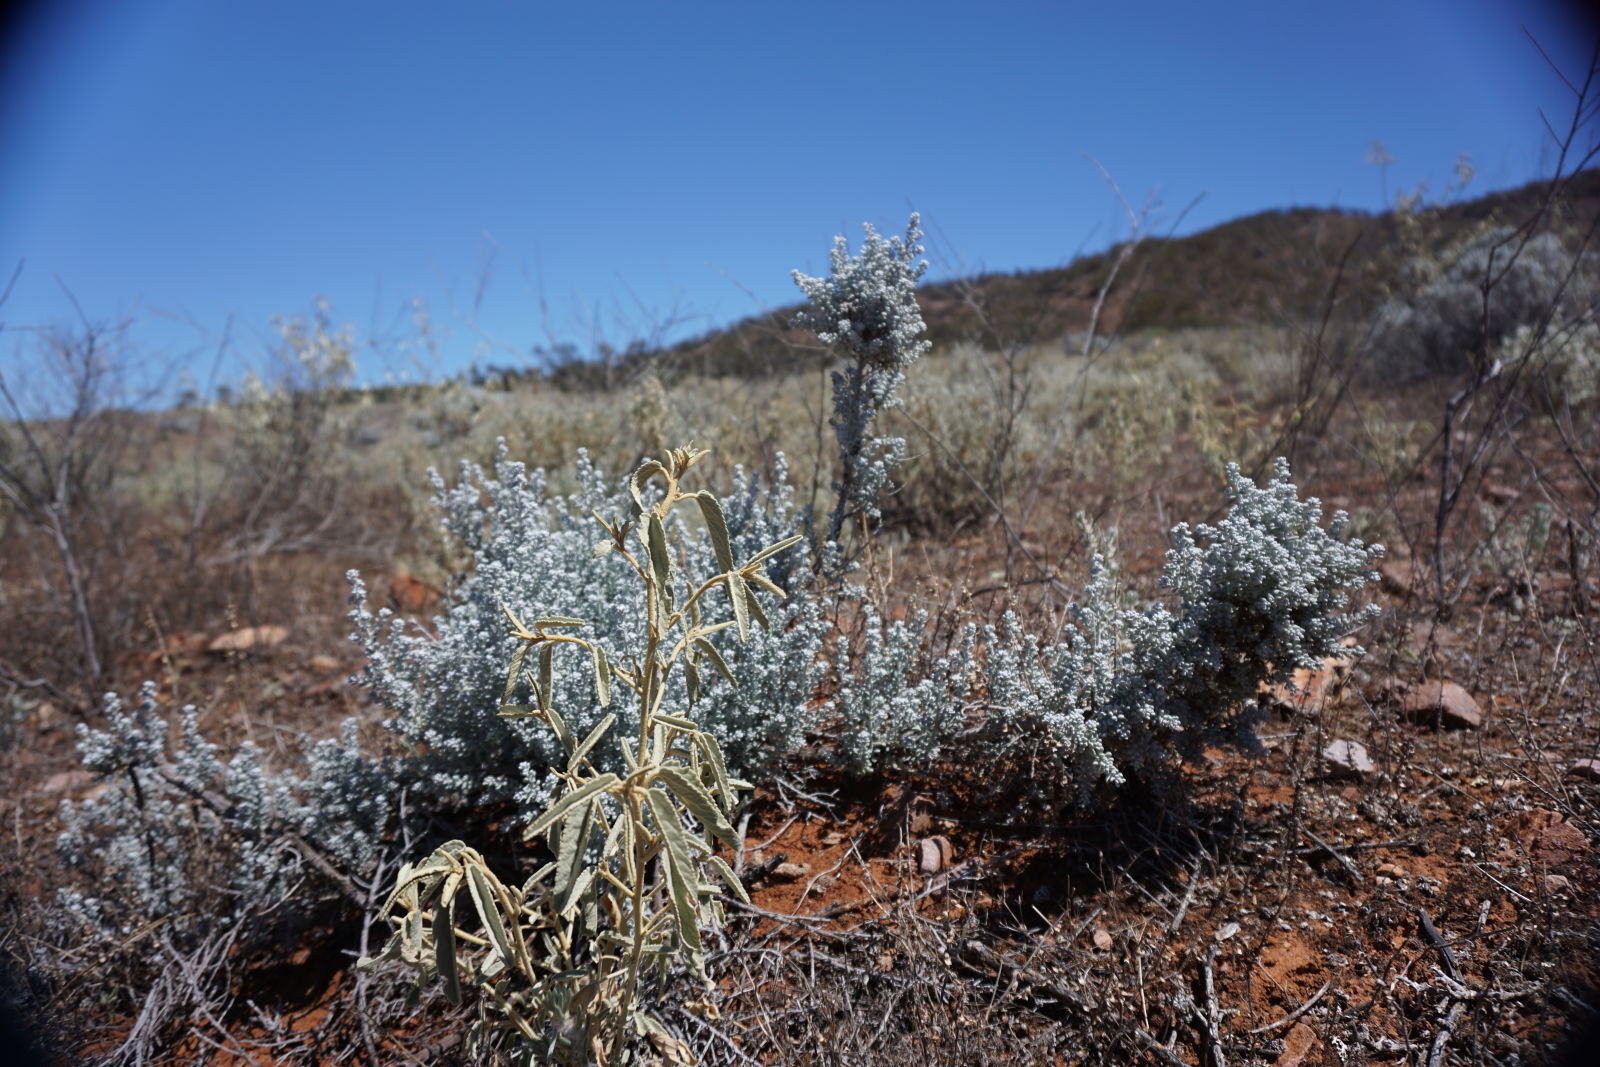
(867, 309)
(1126, 694)
(532, 552)
(1482, 293)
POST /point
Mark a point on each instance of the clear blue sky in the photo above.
(183, 161)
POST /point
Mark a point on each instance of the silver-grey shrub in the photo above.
(1126, 694)
(179, 865)
(1480, 293)
(533, 553)
(1129, 693)
(867, 309)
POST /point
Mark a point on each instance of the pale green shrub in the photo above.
(559, 962)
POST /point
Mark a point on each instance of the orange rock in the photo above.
(1442, 705)
(411, 594)
(249, 639)
(1298, 1045)
(1549, 838)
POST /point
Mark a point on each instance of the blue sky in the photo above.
(533, 172)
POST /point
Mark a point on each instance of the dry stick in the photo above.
(1293, 1015)
(1188, 898)
(1442, 1038)
(1431, 932)
(1212, 1017)
(1162, 1052)
(1354, 846)
(1344, 861)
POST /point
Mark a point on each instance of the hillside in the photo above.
(1258, 270)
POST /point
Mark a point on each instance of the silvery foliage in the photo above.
(176, 834)
(533, 554)
(897, 706)
(1449, 324)
(867, 308)
(1125, 694)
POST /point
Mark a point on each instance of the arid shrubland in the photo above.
(581, 684)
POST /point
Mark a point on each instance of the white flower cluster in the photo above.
(867, 308)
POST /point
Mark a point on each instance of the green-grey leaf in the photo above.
(557, 620)
(483, 898)
(693, 795)
(716, 659)
(772, 550)
(602, 675)
(757, 614)
(740, 597)
(391, 949)
(546, 672)
(559, 725)
(641, 475)
(691, 681)
(516, 669)
(589, 742)
(660, 561)
(603, 547)
(444, 951)
(573, 836)
(707, 744)
(717, 527)
(592, 788)
(518, 711)
(725, 872)
(682, 881)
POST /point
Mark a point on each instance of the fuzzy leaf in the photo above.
(483, 898)
(725, 872)
(444, 950)
(739, 596)
(589, 790)
(716, 659)
(717, 527)
(589, 742)
(602, 675)
(773, 549)
(709, 748)
(693, 795)
(546, 673)
(682, 881)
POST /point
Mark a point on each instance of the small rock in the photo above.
(1549, 838)
(1391, 870)
(1102, 939)
(324, 664)
(1442, 705)
(66, 782)
(1498, 494)
(248, 638)
(1587, 769)
(1347, 759)
(1298, 1045)
(411, 594)
(1557, 883)
(1399, 577)
(933, 854)
(790, 871)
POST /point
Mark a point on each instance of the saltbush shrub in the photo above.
(1471, 299)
